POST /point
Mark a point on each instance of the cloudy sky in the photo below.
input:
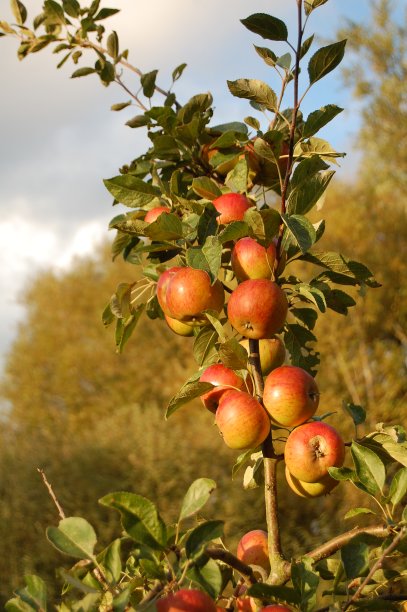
(58, 138)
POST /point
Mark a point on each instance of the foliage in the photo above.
(283, 166)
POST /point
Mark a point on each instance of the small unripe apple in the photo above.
(311, 489)
(290, 396)
(242, 420)
(253, 549)
(231, 206)
(162, 286)
(224, 379)
(180, 328)
(257, 308)
(190, 292)
(250, 259)
(272, 353)
(154, 213)
(311, 449)
(186, 600)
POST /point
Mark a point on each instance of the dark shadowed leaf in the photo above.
(358, 413)
(188, 392)
(355, 557)
(267, 26)
(81, 72)
(209, 577)
(305, 581)
(201, 536)
(300, 231)
(319, 118)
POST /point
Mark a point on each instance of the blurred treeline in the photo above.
(93, 420)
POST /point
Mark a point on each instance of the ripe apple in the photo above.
(253, 549)
(272, 353)
(231, 206)
(186, 600)
(246, 604)
(189, 293)
(242, 420)
(252, 260)
(180, 328)
(223, 378)
(291, 396)
(311, 489)
(162, 286)
(154, 213)
(311, 449)
(257, 308)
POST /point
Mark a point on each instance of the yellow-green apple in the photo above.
(257, 308)
(162, 285)
(180, 328)
(311, 489)
(290, 396)
(242, 420)
(231, 206)
(311, 449)
(253, 549)
(154, 213)
(186, 600)
(224, 380)
(250, 259)
(189, 292)
(272, 353)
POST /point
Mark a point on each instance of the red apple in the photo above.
(242, 420)
(257, 308)
(252, 260)
(186, 600)
(291, 396)
(224, 379)
(246, 604)
(311, 489)
(189, 293)
(253, 549)
(154, 213)
(231, 206)
(272, 353)
(162, 286)
(180, 328)
(313, 448)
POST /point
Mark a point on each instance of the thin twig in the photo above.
(52, 494)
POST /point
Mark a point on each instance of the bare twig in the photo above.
(332, 546)
(220, 554)
(52, 494)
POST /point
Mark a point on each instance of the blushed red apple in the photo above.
(153, 214)
(257, 308)
(224, 379)
(311, 449)
(291, 396)
(186, 600)
(189, 292)
(231, 206)
(253, 549)
(162, 285)
(250, 259)
(242, 420)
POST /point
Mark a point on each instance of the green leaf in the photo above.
(208, 576)
(296, 340)
(342, 473)
(310, 5)
(17, 605)
(355, 558)
(19, 11)
(267, 26)
(263, 225)
(307, 316)
(177, 72)
(189, 391)
(304, 197)
(207, 224)
(120, 106)
(112, 45)
(207, 258)
(206, 188)
(233, 231)
(125, 327)
(201, 536)
(357, 512)
(325, 60)
(312, 294)
(111, 561)
(255, 90)
(137, 121)
(131, 191)
(267, 55)
(300, 230)
(54, 13)
(397, 451)
(205, 352)
(252, 122)
(319, 118)
(33, 595)
(81, 72)
(339, 264)
(233, 355)
(147, 81)
(269, 591)
(369, 468)
(166, 227)
(306, 46)
(71, 8)
(74, 536)
(104, 13)
(196, 497)
(305, 581)
(236, 179)
(358, 413)
(140, 518)
(284, 61)
(398, 487)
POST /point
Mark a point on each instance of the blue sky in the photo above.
(59, 139)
